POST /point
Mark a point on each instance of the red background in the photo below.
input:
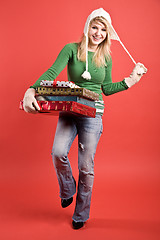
(125, 202)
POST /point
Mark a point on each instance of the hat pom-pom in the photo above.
(86, 75)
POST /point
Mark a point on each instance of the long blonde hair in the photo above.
(103, 50)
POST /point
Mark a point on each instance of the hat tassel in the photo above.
(86, 74)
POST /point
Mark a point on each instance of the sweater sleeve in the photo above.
(108, 87)
(57, 67)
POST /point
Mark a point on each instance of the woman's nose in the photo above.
(98, 32)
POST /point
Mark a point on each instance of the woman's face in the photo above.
(96, 34)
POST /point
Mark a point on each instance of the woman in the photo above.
(89, 66)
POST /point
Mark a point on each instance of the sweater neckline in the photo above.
(90, 52)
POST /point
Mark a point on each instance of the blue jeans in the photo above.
(89, 131)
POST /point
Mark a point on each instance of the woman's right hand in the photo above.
(30, 104)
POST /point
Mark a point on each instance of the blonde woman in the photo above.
(89, 66)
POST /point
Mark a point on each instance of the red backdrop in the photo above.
(127, 166)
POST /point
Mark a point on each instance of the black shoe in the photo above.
(66, 202)
(77, 225)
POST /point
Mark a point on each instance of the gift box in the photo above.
(55, 83)
(53, 107)
(77, 99)
(82, 92)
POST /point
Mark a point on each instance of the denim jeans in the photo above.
(89, 131)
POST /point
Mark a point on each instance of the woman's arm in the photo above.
(108, 86)
(29, 102)
(57, 66)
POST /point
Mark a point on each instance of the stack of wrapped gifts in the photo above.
(55, 96)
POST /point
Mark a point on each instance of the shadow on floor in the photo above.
(128, 224)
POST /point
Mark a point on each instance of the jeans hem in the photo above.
(67, 197)
(80, 220)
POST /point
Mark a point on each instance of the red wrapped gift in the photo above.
(53, 107)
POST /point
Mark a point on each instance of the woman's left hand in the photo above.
(138, 71)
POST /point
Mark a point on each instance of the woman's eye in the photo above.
(104, 29)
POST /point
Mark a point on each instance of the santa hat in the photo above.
(113, 35)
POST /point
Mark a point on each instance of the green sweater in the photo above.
(101, 79)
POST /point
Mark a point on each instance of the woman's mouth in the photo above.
(96, 38)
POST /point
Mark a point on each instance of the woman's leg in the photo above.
(65, 134)
(89, 132)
